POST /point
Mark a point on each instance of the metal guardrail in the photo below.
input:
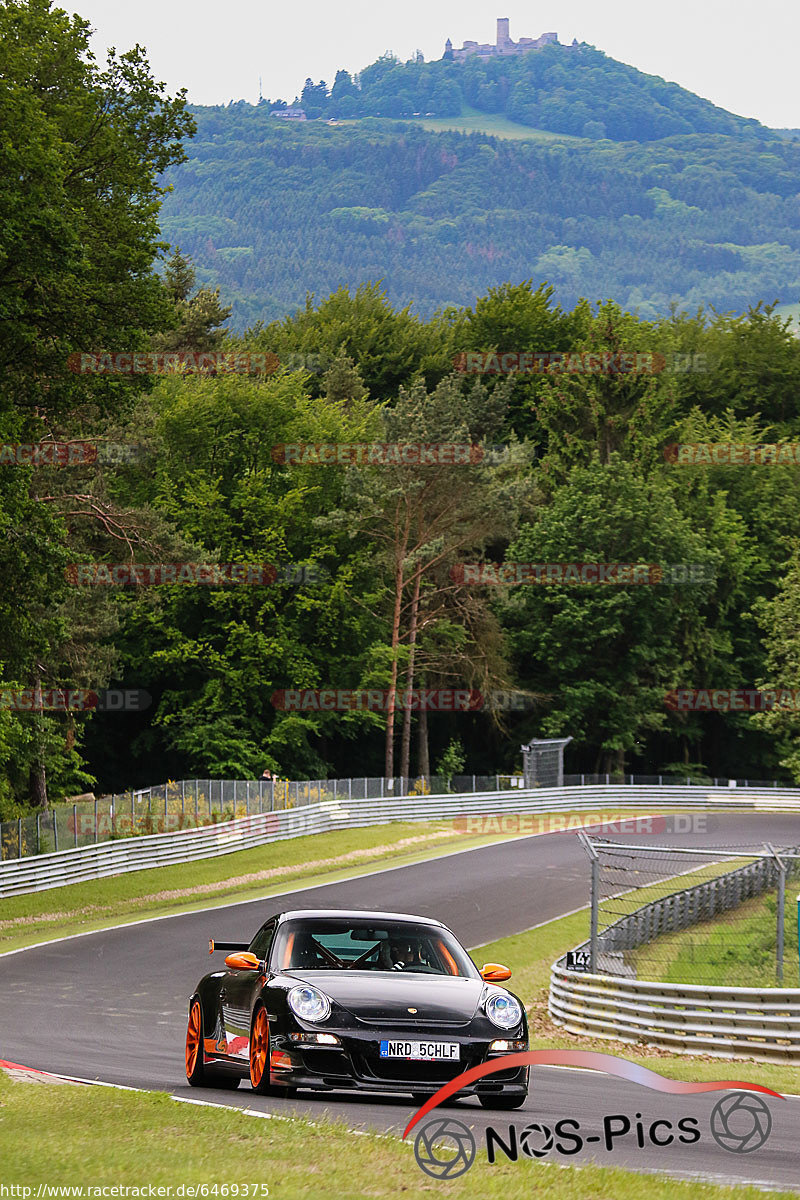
(488, 812)
(187, 803)
(724, 1022)
(720, 1021)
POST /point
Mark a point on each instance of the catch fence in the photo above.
(195, 803)
(686, 915)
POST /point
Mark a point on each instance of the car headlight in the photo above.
(503, 1010)
(308, 1003)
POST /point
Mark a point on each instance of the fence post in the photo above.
(594, 899)
(38, 833)
(166, 808)
(779, 938)
(196, 802)
(183, 798)
(55, 830)
(19, 837)
(247, 798)
(95, 820)
(74, 824)
(133, 818)
(349, 789)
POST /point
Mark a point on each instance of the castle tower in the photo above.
(503, 36)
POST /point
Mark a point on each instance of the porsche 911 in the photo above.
(363, 1001)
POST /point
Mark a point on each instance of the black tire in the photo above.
(259, 1058)
(197, 1073)
(259, 1051)
(502, 1103)
(195, 1069)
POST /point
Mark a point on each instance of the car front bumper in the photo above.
(355, 1063)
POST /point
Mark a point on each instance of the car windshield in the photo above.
(336, 945)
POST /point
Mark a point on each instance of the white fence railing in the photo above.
(478, 813)
(724, 1022)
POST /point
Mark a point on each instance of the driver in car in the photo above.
(404, 953)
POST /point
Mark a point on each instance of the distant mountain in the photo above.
(272, 209)
(566, 89)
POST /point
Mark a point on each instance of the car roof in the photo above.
(362, 915)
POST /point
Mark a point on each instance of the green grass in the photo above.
(474, 121)
(242, 875)
(737, 949)
(85, 1136)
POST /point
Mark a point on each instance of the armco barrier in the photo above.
(724, 1022)
(186, 845)
(689, 906)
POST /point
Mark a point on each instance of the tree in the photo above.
(607, 655)
(79, 192)
(779, 619)
(422, 518)
(198, 318)
(79, 197)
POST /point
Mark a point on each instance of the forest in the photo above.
(372, 572)
(270, 210)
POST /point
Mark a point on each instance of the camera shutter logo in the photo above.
(741, 1123)
(444, 1148)
(536, 1140)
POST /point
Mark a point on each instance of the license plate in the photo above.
(421, 1051)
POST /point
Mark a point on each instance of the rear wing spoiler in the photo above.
(212, 946)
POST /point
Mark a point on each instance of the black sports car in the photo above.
(331, 999)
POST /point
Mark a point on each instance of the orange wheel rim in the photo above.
(193, 1038)
(259, 1047)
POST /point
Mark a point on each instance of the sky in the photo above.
(738, 54)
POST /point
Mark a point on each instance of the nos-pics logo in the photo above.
(445, 1148)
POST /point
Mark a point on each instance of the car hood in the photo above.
(378, 996)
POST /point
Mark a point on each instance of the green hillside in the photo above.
(566, 89)
(271, 210)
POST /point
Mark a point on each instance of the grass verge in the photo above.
(95, 1137)
(740, 945)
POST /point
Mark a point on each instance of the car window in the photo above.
(337, 945)
(261, 943)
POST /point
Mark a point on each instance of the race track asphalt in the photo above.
(120, 996)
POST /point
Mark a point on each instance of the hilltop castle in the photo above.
(504, 47)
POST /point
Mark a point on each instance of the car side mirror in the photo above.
(495, 972)
(242, 961)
